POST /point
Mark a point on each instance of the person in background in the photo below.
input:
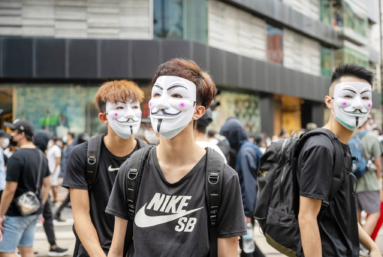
(23, 172)
(71, 142)
(151, 136)
(252, 138)
(311, 126)
(54, 161)
(283, 134)
(199, 133)
(246, 165)
(3, 137)
(260, 141)
(212, 135)
(41, 141)
(368, 186)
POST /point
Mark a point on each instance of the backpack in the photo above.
(277, 206)
(93, 157)
(360, 167)
(213, 188)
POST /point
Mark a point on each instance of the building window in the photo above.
(326, 62)
(168, 19)
(346, 55)
(274, 44)
(325, 11)
(351, 16)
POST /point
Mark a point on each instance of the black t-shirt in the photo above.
(171, 219)
(23, 168)
(99, 195)
(338, 227)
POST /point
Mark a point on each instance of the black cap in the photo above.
(2, 133)
(206, 119)
(21, 125)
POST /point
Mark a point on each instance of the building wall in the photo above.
(114, 19)
(301, 53)
(309, 8)
(237, 31)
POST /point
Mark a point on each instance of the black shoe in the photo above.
(59, 219)
(57, 251)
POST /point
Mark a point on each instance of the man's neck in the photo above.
(199, 136)
(26, 144)
(180, 150)
(118, 146)
(340, 131)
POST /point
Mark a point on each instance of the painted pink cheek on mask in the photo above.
(369, 105)
(182, 104)
(344, 104)
(116, 114)
(150, 104)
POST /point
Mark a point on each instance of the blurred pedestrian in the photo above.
(54, 161)
(41, 140)
(260, 141)
(4, 144)
(212, 135)
(199, 133)
(246, 165)
(368, 186)
(283, 134)
(28, 177)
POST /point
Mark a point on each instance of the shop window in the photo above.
(326, 62)
(274, 44)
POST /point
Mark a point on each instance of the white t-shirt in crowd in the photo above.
(205, 144)
(52, 153)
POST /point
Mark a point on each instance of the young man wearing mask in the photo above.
(337, 233)
(27, 172)
(175, 170)
(119, 106)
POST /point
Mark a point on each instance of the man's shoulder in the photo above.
(228, 174)
(319, 141)
(80, 149)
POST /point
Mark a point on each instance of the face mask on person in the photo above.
(151, 137)
(124, 118)
(64, 139)
(172, 105)
(352, 103)
(5, 142)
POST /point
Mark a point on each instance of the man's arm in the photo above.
(228, 247)
(46, 186)
(58, 163)
(308, 212)
(117, 247)
(7, 196)
(249, 183)
(83, 223)
(367, 242)
(378, 164)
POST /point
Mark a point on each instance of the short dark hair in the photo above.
(72, 135)
(28, 137)
(352, 70)
(211, 133)
(201, 128)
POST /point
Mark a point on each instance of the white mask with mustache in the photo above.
(172, 105)
(352, 103)
(124, 118)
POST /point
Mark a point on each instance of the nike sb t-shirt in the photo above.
(172, 219)
(99, 195)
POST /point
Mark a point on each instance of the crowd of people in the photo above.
(184, 190)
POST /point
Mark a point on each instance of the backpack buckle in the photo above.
(325, 204)
(213, 219)
(132, 174)
(213, 178)
(92, 160)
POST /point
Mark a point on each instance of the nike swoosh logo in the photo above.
(112, 169)
(143, 221)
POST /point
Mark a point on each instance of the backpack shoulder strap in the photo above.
(336, 179)
(133, 180)
(213, 188)
(92, 158)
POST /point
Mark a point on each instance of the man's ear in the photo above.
(329, 102)
(102, 117)
(199, 112)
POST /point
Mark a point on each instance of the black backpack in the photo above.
(213, 187)
(93, 157)
(277, 204)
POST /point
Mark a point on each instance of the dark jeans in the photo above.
(48, 223)
(62, 206)
(256, 253)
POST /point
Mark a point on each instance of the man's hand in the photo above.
(247, 219)
(2, 224)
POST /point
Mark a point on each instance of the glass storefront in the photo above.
(274, 44)
(180, 19)
(326, 62)
(245, 107)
